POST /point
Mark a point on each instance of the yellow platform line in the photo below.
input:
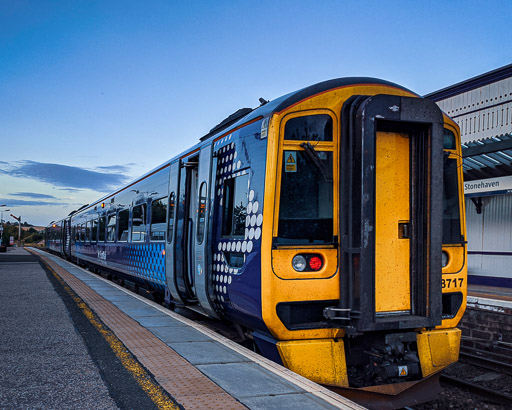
(143, 379)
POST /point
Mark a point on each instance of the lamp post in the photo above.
(2, 223)
(18, 218)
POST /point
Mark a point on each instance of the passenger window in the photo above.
(101, 236)
(309, 128)
(235, 206)
(111, 228)
(122, 232)
(201, 213)
(158, 213)
(139, 223)
(170, 222)
(83, 233)
(88, 231)
(94, 230)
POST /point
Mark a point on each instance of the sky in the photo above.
(94, 93)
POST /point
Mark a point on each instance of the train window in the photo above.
(122, 230)
(201, 213)
(111, 228)
(309, 128)
(170, 222)
(83, 236)
(235, 259)
(101, 236)
(88, 231)
(94, 230)
(449, 140)
(306, 204)
(235, 206)
(451, 205)
(76, 233)
(158, 213)
(139, 213)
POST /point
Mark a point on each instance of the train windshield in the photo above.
(451, 203)
(306, 201)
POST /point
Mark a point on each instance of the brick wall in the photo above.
(488, 327)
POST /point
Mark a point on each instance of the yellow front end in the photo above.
(319, 353)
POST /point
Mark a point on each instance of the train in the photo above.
(327, 225)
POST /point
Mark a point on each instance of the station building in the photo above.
(482, 107)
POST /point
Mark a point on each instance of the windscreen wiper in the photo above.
(315, 159)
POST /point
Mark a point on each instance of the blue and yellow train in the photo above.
(328, 224)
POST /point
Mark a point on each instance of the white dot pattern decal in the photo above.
(229, 165)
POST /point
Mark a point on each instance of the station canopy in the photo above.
(487, 158)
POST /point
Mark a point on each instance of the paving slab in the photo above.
(158, 321)
(207, 352)
(173, 334)
(305, 401)
(247, 379)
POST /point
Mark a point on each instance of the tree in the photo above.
(9, 230)
(34, 238)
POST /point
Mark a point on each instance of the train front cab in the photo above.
(355, 288)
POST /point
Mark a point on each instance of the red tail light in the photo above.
(315, 263)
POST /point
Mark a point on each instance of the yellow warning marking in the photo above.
(403, 371)
(290, 164)
(153, 390)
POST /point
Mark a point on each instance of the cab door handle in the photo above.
(404, 230)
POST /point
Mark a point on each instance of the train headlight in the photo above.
(299, 263)
(444, 259)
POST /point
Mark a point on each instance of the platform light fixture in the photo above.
(2, 223)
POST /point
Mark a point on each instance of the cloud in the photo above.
(33, 195)
(70, 189)
(116, 168)
(21, 202)
(68, 176)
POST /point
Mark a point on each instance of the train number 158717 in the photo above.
(452, 283)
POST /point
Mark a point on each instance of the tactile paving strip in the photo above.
(191, 388)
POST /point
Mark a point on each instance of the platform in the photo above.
(176, 362)
(490, 292)
(490, 298)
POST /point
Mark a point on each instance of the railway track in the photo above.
(485, 362)
(486, 393)
(483, 374)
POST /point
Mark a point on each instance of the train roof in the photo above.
(292, 98)
(247, 115)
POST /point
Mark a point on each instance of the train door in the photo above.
(66, 238)
(390, 212)
(185, 223)
(392, 222)
(202, 214)
(63, 242)
(187, 236)
(170, 271)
